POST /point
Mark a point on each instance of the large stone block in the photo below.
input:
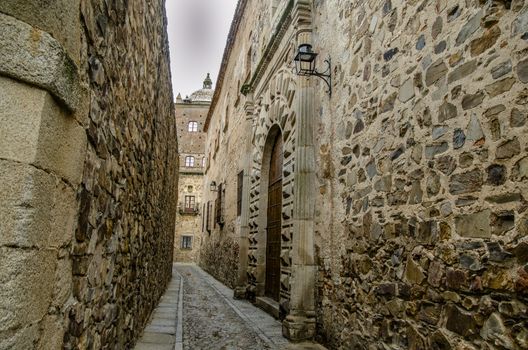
(26, 286)
(36, 209)
(60, 18)
(35, 130)
(31, 55)
(476, 225)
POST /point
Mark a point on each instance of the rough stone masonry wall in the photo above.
(122, 252)
(423, 154)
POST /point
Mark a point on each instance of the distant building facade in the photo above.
(391, 213)
(190, 117)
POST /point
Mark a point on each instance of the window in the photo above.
(190, 201)
(240, 181)
(219, 218)
(192, 127)
(208, 220)
(186, 242)
(248, 62)
(189, 161)
(226, 118)
(203, 217)
(203, 162)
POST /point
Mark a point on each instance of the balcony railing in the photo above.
(188, 210)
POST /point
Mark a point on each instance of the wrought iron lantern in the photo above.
(305, 62)
(212, 187)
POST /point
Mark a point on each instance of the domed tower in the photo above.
(204, 95)
(191, 113)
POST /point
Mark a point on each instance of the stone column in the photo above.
(42, 152)
(243, 242)
(300, 322)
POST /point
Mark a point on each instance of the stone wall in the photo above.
(42, 145)
(122, 250)
(423, 175)
(88, 168)
(421, 165)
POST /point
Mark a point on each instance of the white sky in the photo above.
(197, 36)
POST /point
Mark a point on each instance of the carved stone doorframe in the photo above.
(243, 240)
(299, 324)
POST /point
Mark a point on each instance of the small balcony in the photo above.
(188, 210)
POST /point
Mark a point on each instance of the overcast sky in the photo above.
(197, 35)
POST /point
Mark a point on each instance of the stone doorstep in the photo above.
(269, 305)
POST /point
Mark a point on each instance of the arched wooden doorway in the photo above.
(274, 221)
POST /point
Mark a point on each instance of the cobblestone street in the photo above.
(205, 316)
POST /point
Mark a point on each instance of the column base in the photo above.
(239, 293)
(298, 328)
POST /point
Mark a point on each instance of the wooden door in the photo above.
(273, 242)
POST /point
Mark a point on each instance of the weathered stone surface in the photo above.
(495, 330)
(520, 24)
(500, 87)
(486, 41)
(472, 100)
(501, 69)
(517, 118)
(460, 322)
(446, 164)
(496, 174)
(440, 47)
(474, 130)
(522, 70)
(420, 44)
(436, 28)
(462, 71)
(439, 131)
(432, 150)
(446, 111)
(435, 72)
(35, 57)
(475, 225)
(467, 182)
(508, 149)
(406, 91)
(388, 103)
(459, 138)
(469, 28)
(413, 272)
(389, 54)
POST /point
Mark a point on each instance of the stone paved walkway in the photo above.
(205, 316)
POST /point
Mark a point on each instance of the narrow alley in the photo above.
(205, 316)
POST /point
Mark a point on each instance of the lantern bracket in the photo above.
(326, 75)
(305, 62)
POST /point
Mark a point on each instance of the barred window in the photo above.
(240, 181)
(190, 201)
(218, 206)
(192, 127)
(186, 242)
(189, 161)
